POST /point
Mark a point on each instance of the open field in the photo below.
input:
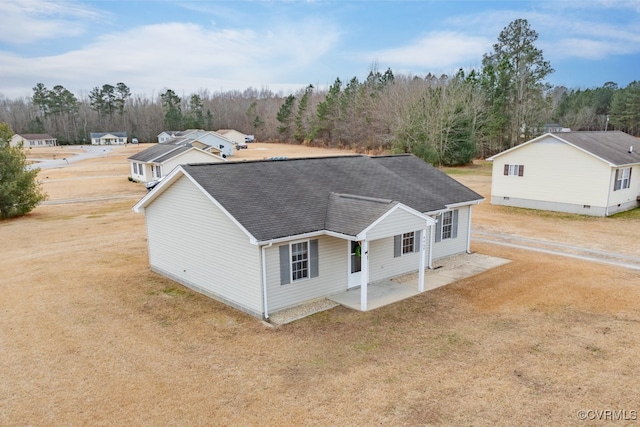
(91, 337)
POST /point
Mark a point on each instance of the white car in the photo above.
(151, 184)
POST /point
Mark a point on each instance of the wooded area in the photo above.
(446, 120)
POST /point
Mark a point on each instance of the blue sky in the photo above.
(283, 46)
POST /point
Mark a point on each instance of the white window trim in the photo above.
(445, 224)
(623, 179)
(413, 244)
(514, 170)
(291, 262)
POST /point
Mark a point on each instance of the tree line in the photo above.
(446, 119)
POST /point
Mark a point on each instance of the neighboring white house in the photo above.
(303, 228)
(108, 138)
(166, 135)
(233, 135)
(33, 140)
(204, 137)
(158, 160)
(590, 173)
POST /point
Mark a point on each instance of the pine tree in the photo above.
(20, 192)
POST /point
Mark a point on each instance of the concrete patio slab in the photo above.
(445, 271)
(379, 294)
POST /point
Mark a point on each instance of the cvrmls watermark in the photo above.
(607, 415)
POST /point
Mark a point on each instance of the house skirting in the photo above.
(549, 206)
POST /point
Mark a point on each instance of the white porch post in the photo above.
(364, 274)
(469, 232)
(432, 235)
(423, 246)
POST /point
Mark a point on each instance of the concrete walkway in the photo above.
(445, 271)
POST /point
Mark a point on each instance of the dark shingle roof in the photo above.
(279, 198)
(611, 146)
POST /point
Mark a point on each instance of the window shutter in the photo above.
(506, 169)
(416, 241)
(454, 225)
(285, 263)
(439, 228)
(615, 181)
(397, 245)
(313, 258)
(521, 170)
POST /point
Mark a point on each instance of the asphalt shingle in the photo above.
(612, 146)
(280, 198)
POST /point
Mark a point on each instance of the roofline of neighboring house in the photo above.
(492, 158)
(553, 135)
(181, 153)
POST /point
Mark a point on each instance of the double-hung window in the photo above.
(623, 179)
(514, 170)
(299, 260)
(447, 225)
(408, 242)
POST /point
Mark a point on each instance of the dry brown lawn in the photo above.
(91, 337)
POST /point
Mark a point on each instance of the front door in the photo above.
(355, 264)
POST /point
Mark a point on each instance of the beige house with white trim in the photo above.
(32, 140)
(589, 173)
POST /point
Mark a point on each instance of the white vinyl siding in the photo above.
(383, 264)
(332, 275)
(554, 172)
(397, 222)
(454, 245)
(225, 265)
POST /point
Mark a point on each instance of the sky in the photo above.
(283, 46)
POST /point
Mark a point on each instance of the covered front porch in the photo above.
(445, 271)
(384, 292)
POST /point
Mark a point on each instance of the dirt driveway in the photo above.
(91, 337)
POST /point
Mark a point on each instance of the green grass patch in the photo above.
(173, 291)
(479, 167)
(632, 214)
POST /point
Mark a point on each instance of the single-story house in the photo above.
(203, 137)
(302, 229)
(233, 135)
(33, 140)
(160, 159)
(166, 135)
(108, 138)
(590, 173)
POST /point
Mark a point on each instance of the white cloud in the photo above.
(29, 21)
(180, 56)
(435, 51)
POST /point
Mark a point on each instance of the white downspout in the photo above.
(264, 280)
(612, 174)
